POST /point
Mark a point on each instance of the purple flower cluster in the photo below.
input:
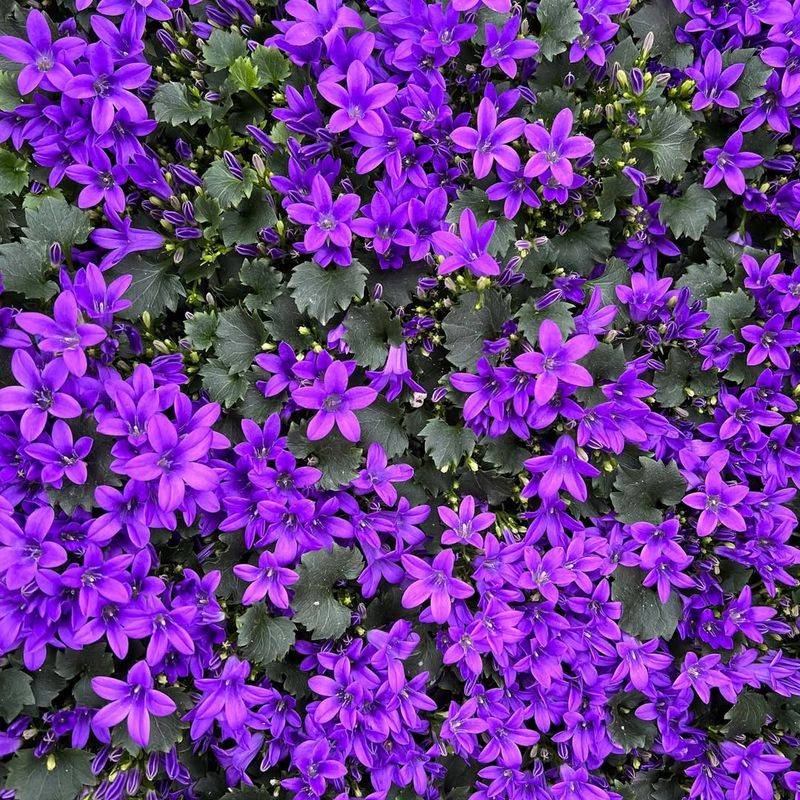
(499, 498)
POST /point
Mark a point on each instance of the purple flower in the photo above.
(702, 674)
(65, 334)
(489, 141)
(102, 181)
(108, 87)
(38, 394)
(556, 361)
(395, 374)
(752, 765)
(562, 468)
(464, 527)
(504, 49)
(595, 29)
(62, 456)
(770, 342)
(329, 233)
(312, 758)
(343, 694)
(728, 162)
(335, 403)
(134, 700)
(716, 504)
(45, 60)
(174, 460)
(469, 249)
(378, 476)
(359, 102)
(385, 224)
(555, 149)
(227, 698)
(269, 578)
(25, 552)
(714, 82)
(434, 582)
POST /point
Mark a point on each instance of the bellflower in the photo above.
(45, 61)
(555, 148)
(134, 700)
(434, 582)
(469, 249)
(728, 162)
(334, 403)
(489, 140)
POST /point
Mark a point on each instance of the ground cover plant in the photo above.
(399, 399)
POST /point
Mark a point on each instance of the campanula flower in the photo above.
(489, 142)
(134, 700)
(435, 583)
(469, 249)
(555, 149)
(45, 61)
(334, 403)
(39, 394)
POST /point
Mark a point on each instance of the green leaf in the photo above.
(729, 310)
(47, 685)
(704, 280)
(683, 372)
(155, 287)
(201, 328)
(91, 661)
(468, 324)
(752, 82)
(223, 387)
(689, 214)
(173, 104)
(381, 423)
(25, 268)
(243, 224)
(10, 97)
(31, 779)
(337, 458)
(223, 48)
(615, 187)
(225, 187)
(505, 453)
(669, 137)
(13, 173)
(263, 279)
(315, 605)
(240, 335)
(55, 220)
(447, 444)
(530, 319)
(15, 692)
(321, 292)
(582, 248)
(243, 75)
(284, 321)
(643, 614)
(662, 19)
(370, 330)
(273, 67)
(747, 716)
(559, 25)
(640, 490)
(264, 638)
(625, 728)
